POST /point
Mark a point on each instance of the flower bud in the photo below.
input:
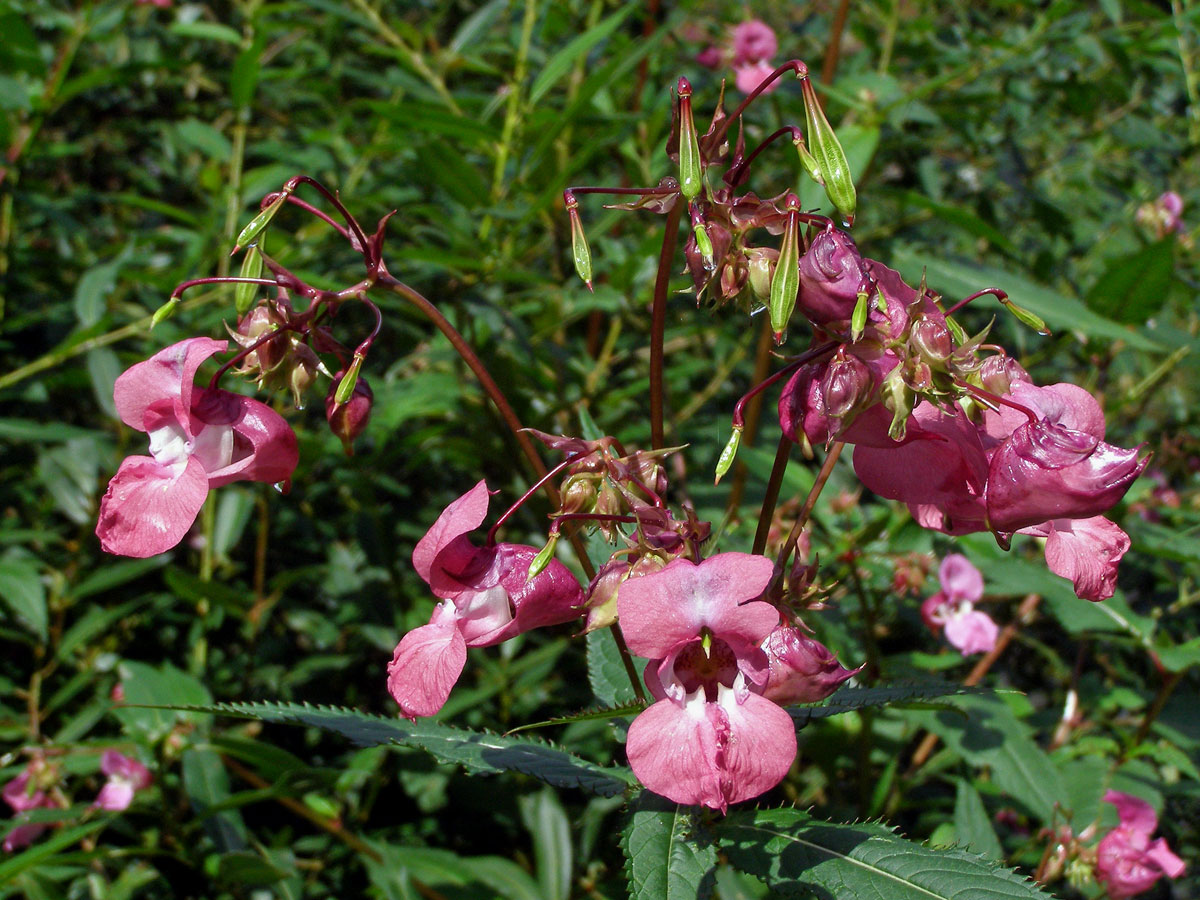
(785, 282)
(997, 373)
(847, 382)
(349, 419)
(802, 670)
(601, 599)
(931, 339)
(831, 274)
(253, 327)
(580, 250)
(302, 372)
(762, 265)
(899, 400)
(578, 494)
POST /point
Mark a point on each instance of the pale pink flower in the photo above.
(749, 76)
(952, 609)
(24, 793)
(753, 41)
(1128, 862)
(711, 738)
(199, 439)
(126, 777)
(487, 598)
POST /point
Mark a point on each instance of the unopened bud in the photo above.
(761, 264)
(997, 373)
(304, 365)
(899, 400)
(802, 670)
(846, 383)
(580, 250)
(1026, 317)
(579, 494)
(543, 558)
(348, 418)
(259, 223)
(829, 156)
(931, 339)
(164, 312)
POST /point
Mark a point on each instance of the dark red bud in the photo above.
(348, 420)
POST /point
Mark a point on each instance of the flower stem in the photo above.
(782, 452)
(658, 325)
(810, 501)
(533, 488)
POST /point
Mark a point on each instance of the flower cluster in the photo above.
(1128, 862)
(748, 49)
(952, 609)
(37, 787)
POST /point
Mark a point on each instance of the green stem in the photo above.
(658, 324)
(411, 56)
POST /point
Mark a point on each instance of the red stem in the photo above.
(219, 279)
(733, 176)
(533, 489)
(989, 397)
(995, 292)
(805, 357)
(792, 65)
(658, 325)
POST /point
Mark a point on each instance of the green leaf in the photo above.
(1134, 287)
(849, 699)
(606, 672)
(473, 750)
(209, 31)
(1060, 312)
(799, 855)
(244, 77)
(399, 866)
(92, 290)
(550, 829)
(45, 849)
(965, 220)
(972, 825)
(560, 63)
(207, 786)
(146, 686)
(22, 589)
(668, 854)
(992, 737)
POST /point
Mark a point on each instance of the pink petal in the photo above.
(462, 516)
(115, 796)
(749, 76)
(18, 795)
(972, 632)
(665, 608)
(22, 836)
(1134, 812)
(1086, 551)
(711, 753)
(753, 40)
(148, 508)
(1160, 854)
(264, 446)
(427, 663)
(114, 763)
(960, 580)
(167, 375)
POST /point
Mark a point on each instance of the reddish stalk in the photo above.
(792, 65)
(762, 363)
(810, 501)
(995, 292)
(658, 325)
(996, 400)
(733, 176)
(533, 489)
(834, 51)
(782, 452)
(806, 357)
(1024, 615)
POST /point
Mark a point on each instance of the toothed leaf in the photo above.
(669, 855)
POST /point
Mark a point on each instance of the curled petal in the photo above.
(831, 273)
(803, 670)
(115, 796)
(148, 507)
(458, 519)
(1086, 551)
(1063, 404)
(21, 796)
(22, 836)
(661, 610)
(167, 375)
(264, 445)
(1134, 812)
(427, 663)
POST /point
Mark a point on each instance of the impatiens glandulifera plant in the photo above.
(944, 421)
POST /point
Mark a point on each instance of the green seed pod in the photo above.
(252, 266)
(346, 386)
(858, 319)
(691, 166)
(785, 283)
(829, 156)
(258, 224)
(1034, 321)
(580, 250)
(543, 558)
(725, 461)
(164, 312)
(807, 160)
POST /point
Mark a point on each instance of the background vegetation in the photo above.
(997, 144)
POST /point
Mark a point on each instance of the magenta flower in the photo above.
(802, 670)
(126, 777)
(952, 609)
(1127, 861)
(24, 793)
(753, 41)
(487, 598)
(749, 76)
(711, 738)
(200, 439)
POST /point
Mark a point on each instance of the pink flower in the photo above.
(802, 670)
(711, 738)
(24, 793)
(749, 76)
(199, 439)
(1127, 861)
(952, 609)
(126, 777)
(753, 41)
(487, 598)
